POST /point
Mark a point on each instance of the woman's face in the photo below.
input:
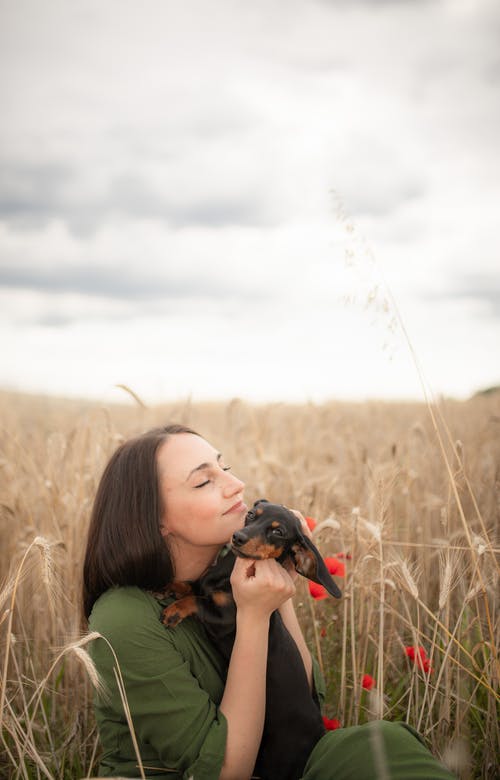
(203, 500)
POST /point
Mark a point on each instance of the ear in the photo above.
(163, 529)
(309, 562)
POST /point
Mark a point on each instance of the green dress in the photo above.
(174, 681)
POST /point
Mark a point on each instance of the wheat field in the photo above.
(408, 494)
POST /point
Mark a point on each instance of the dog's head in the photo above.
(273, 531)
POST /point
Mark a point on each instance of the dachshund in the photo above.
(293, 722)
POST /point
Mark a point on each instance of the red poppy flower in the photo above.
(322, 633)
(368, 682)
(334, 566)
(317, 591)
(332, 723)
(419, 657)
(311, 522)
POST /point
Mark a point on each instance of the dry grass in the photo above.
(414, 500)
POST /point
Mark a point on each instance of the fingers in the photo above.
(262, 584)
(243, 568)
(273, 574)
(305, 528)
(265, 572)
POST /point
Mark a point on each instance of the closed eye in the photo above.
(207, 481)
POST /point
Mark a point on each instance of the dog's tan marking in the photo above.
(220, 598)
(176, 589)
(180, 589)
(254, 548)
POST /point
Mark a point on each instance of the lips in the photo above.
(238, 507)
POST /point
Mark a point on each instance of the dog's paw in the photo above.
(176, 612)
(171, 617)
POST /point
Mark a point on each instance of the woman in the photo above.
(166, 505)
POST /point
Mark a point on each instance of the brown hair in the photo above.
(124, 544)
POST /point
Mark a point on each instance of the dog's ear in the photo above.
(309, 562)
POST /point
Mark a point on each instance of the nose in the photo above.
(239, 538)
(233, 485)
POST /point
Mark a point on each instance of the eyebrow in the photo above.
(203, 466)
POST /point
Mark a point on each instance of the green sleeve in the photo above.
(373, 750)
(176, 720)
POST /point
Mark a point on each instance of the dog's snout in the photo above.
(239, 538)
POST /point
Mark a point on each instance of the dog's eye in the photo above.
(277, 532)
(250, 517)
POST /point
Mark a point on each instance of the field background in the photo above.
(410, 492)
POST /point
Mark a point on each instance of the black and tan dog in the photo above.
(293, 722)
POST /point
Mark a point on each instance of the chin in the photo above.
(230, 529)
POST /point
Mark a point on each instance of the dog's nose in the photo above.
(239, 538)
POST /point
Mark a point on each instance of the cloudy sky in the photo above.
(276, 199)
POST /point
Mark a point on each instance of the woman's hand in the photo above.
(260, 587)
(303, 522)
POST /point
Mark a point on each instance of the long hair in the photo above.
(124, 543)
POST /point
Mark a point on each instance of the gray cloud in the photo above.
(132, 195)
(378, 198)
(51, 320)
(121, 283)
(34, 194)
(481, 288)
(373, 4)
(33, 190)
(491, 71)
